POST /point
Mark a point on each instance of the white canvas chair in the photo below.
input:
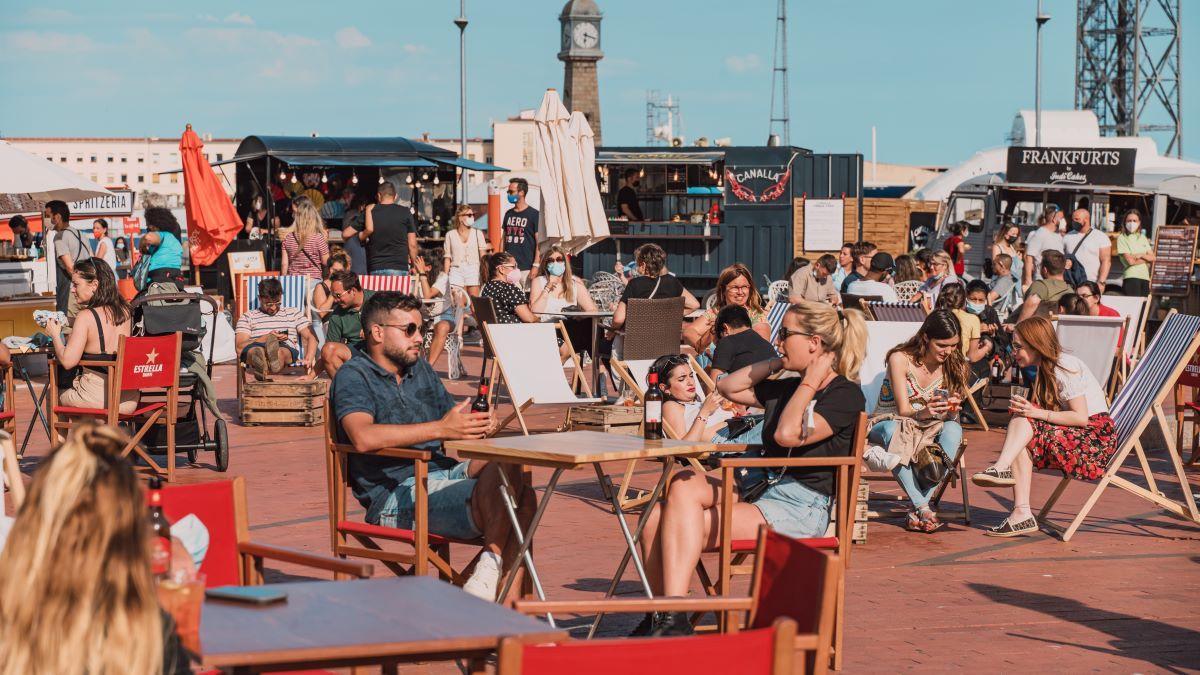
(1137, 402)
(528, 359)
(1137, 310)
(1095, 340)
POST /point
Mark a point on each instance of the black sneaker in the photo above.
(643, 629)
(672, 624)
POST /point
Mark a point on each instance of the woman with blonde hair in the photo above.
(825, 345)
(735, 286)
(941, 272)
(1064, 425)
(465, 247)
(76, 591)
(305, 248)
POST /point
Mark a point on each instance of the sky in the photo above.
(939, 79)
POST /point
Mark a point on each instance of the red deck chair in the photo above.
(232, 559)
(8, 416)
(791, 579)
(146, 364)
(764, 651)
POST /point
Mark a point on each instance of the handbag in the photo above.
(931, 465)
(141, 273)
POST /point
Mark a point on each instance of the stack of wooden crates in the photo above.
(283, 402)
(861, 511)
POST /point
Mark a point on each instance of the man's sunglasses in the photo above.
(409, 329)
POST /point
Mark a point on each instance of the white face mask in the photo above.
(1132, 226)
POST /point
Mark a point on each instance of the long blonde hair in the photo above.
(462, 210)
(307, 219)
(76, 591)
(568, 287)
(843, 332)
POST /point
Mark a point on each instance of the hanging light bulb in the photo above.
(642, 172)
(424, 176)
(408, 179)
(435, 179)
(417, 185)
(353, 178)
(294, 177)
(282, 174)
(324, 177)
(675, 176)
(381, 179)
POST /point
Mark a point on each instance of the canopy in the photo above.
(211, 218)
(654, 156)
(24, 174)
(572, 213)
(331, 161)
(468, 164)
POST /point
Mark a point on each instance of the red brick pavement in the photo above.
(1122, 596)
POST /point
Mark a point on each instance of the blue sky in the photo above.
(938, 78)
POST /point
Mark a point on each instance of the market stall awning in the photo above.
(343, 160)
(665, 156)
(468, 164)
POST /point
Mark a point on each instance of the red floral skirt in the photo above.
(1079, 452)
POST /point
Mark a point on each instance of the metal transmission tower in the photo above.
(1128, 67)
(664, 123)
(779, 80)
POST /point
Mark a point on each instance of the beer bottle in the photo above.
(481, 399)
(160, 554)
(652, 420)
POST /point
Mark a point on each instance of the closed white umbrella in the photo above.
(585, 140)
(551, 121)
(24, 174)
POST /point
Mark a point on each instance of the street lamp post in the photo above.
(461, 22)
(1037, 95)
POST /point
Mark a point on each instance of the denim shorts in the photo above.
(391, 273)
(792, 508)
(449, 503)
(292, 350)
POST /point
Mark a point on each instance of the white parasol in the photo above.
(24, 174)
(572, 213)
(585, 141)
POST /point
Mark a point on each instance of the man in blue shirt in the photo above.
(387, 396)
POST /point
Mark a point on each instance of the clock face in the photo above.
(587, 35)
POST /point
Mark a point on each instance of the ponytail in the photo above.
(854, 344)
(843, 332)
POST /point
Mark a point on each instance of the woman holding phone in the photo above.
(1064, 425)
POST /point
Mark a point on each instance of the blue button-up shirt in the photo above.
(361, 385)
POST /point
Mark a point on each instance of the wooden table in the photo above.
(596, 318)
(328, 624)
(39, 401)
(576, 450)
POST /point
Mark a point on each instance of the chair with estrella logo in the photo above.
(148, 365)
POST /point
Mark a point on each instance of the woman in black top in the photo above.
(653, 282)
(512, 306)
(825, 345)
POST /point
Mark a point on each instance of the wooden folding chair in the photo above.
(231, 559)
(896, 311)
(528, 360)
(399, 283)
(1187, 409)
(1095, 340)
(241, 301)
(1138, 402)
(1137, 311)
(850, 301)
(8, 416)
(294, 297)
(791, 579)
(426, 548)
(149, 365)
(775, 318)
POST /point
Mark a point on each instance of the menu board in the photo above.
(1174, 251)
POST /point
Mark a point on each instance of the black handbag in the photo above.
(751, 482)
(931, 465)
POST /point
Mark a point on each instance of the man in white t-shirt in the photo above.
(1045, 238)
(1095, 249)
(875, 282)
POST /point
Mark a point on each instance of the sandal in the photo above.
(924, 520)
(993, 477)
(1009, 529)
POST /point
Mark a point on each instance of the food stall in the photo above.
(710, 207)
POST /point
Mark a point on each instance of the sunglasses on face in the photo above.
(557, 259)
(409, 329)
(785, 333)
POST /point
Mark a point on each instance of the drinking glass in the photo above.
(181, 594)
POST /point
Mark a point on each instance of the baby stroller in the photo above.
(165, 313)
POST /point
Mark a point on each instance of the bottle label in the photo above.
(160, 556)
(653, 412)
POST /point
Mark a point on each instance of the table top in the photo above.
(358, 621)
(574, 449)
(596, 314)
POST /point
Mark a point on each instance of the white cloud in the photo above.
(249, 38)
(413, 50)
(743, 64)
(49, 41)
(238, 17)
(48, 15)
(351, 38)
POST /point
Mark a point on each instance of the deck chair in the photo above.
(146, 364)
(401, 283)
(895, 311)
(1137, 310)
(652, 328)
(8, 415)
(1096, 340)
(294, 296)
(231, 559)
(1138, 402)
(881, 337)
(527, 357)
(352, 538)
(775, 318)
(859, 301)
(792, 578)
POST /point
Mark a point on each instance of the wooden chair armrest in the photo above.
(633, 606)
(110, 365)
(807, 641)
(805, 462)
(289, 555)
(394, 453)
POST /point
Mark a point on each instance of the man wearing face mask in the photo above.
(1089, 246)
(521, 230)
(257, 222)
(627, 197)
(1045, 238)
(1136, 252)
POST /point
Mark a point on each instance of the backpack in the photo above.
(1075, 274)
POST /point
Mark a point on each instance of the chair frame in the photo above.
(869, 308)
(166, 415)
(519, 407)
(8, 418)
(427, 550)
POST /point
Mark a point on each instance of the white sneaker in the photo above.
(486, 577)
(878, 459)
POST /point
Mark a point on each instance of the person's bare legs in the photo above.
(473, 291)
(651, 550)
(438, 344)
(1022, 468)
(1020, 433)
(491, 517)
(333, 355)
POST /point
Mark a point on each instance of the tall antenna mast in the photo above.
(779, 80)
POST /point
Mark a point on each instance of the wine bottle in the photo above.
(480, 405)
(652, 410)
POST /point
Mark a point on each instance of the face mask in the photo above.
(556, 269)
(1011, 240)
(514, 277)
(120, 246)
(512, 199)
(1062, 225)
(974, 308)
(1132, 226)
(1075, 227)
(469, 220)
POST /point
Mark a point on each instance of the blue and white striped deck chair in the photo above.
(1137, 402)
(294, 295)
(896, 311)
(775, 318)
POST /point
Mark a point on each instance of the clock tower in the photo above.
(580, 51)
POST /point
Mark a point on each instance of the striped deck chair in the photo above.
(386, 282)
(775, 318)
(896, 311)
(294, 295)
(1138, 402)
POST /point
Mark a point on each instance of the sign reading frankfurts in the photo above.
(1071, 166)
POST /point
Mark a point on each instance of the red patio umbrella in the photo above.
(212, 220)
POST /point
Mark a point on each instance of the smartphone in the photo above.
(253, 595)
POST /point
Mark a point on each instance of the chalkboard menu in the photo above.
(1174, 251)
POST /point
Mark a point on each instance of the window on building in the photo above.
(111, 179)
(153, 178)
(62, 160)
(94, 178)
(124, 159)
(79, 159)
(141, 159)
(174, 178)
(174, 157)
(141, 178)
(110, 159)
(220, 157)
(156, 158)
(124, 178)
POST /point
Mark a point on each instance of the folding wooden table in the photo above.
(576, 450)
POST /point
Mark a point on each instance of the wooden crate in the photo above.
(283, 402)
(616, 419)
(861, 513)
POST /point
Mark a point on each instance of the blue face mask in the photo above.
(974, 308)
(556, 269)
(512, 199)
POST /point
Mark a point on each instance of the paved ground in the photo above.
(1122, 596)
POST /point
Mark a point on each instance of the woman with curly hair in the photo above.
(164, 244)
